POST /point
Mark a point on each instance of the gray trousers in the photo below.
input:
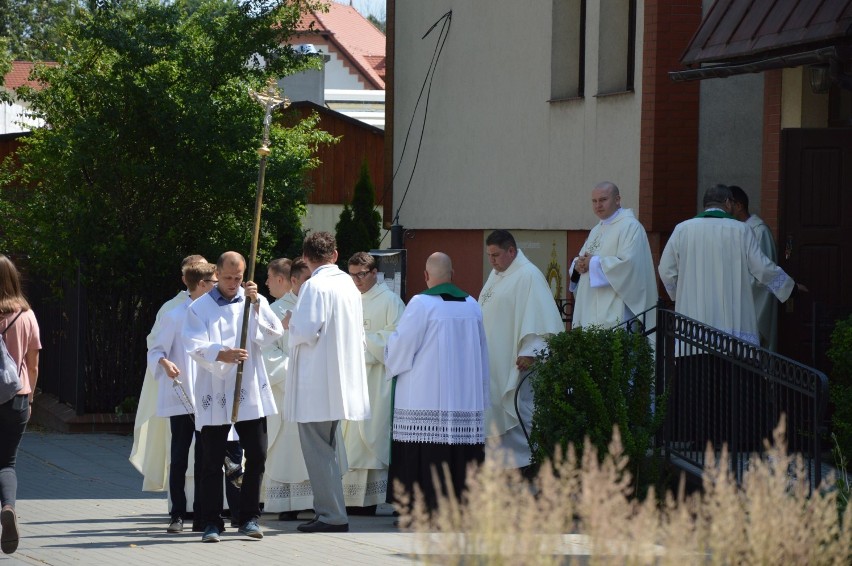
(318, 446)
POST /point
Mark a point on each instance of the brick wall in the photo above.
(669, 152)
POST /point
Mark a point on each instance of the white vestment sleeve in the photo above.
(159, 343)
(265, 328)
(200, 347)
(308, 317)
(405, 342)
(597, 277)
(531, 344)
(668, 267)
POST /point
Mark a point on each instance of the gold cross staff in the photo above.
(271, 100)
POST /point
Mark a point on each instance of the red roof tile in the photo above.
(20, 73)
(355, 36)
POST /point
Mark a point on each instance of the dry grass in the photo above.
(585, 512)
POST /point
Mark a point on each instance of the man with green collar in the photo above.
(708, 264)
(439, 354)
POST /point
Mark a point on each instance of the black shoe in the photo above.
(9, 523)
(288, 515)
(317, 526)
(175, 525)
(369, 510)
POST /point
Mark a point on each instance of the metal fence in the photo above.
(723, 390)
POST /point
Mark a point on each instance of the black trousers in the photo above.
(253, 439)
(183, 431)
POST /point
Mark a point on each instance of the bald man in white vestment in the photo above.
(613, 277)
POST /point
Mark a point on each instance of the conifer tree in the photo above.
(360, 224)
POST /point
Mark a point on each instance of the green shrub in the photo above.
(840, 384)
(590, 380)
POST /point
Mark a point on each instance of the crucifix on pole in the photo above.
(270, 100)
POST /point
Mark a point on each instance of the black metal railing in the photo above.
(725, 391)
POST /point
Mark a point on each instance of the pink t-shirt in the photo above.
(20, 339)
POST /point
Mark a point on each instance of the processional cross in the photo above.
(270, 100)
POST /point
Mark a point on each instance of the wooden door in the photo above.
(815, 238)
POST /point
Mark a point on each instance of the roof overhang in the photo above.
(750, 36)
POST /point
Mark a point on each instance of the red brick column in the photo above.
(669, 153)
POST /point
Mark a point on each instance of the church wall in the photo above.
(496, 151)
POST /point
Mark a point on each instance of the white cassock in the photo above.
(519, 312)
(208, 329)
(173, 400)
(707, 268)
(765, 304)
(152, 434)
(368, 441)
(326, 378)
(286, 483)
(621, 282)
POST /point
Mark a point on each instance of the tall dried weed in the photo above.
(586, 512)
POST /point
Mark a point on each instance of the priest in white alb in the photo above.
(519, 313)
(765, 304)
(708, 265)
(367, 442)
(613, 277)
(440, 354)
(151, 434)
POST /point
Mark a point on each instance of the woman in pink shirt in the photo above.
(22, 341)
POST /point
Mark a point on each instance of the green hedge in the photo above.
(590, 380)
(840, 384)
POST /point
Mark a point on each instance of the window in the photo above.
(568, 49)
(616, 46)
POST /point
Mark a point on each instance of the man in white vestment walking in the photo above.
(519, 312)
(151, 433)
(327, 380)
(765, 304)
(440, 354)
(287, 487)
(212, 337)
(367, 442)
(709, 263)
(613, 276)
(168, 361)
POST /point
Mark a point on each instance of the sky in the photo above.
(377, 8)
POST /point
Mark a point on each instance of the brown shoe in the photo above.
(9, 524)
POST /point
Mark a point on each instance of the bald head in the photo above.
(230, 268)
(439, 269)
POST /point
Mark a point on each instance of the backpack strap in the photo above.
(8, 326)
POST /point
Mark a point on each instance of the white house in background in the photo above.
(13, 119)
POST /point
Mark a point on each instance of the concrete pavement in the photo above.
(79, 502)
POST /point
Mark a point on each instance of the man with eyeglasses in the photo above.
(368, 442)
(150, 433)
(168, 361)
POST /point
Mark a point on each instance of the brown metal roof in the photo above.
(741, 30)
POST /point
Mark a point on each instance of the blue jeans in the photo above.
(183, 430)
(14, 415)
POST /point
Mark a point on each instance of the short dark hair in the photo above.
(280, 266)
(319, 247)
(717, 194)
(195, 273)
(194, 258)
(739, 195)
(298, 267)
(501, 238)
(363, 259)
